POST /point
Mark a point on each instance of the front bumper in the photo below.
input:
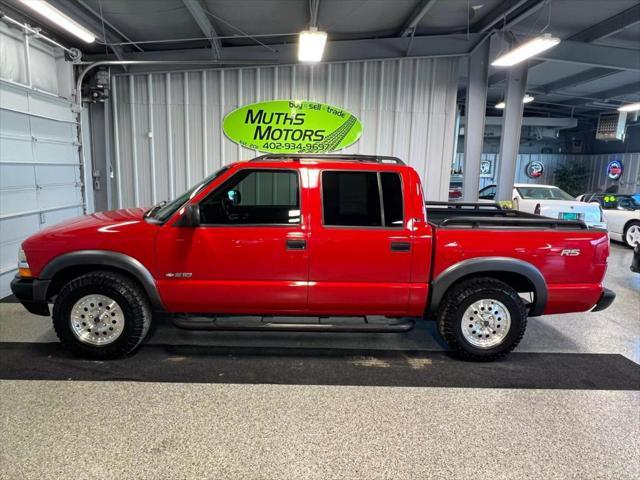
(606, 299)
(32, 294)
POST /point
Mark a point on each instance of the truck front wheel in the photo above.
(101, 315)
(482, 319)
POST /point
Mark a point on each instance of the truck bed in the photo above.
(557, 248)
(491, 215)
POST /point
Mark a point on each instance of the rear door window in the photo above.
(362, 199)
(392, 199)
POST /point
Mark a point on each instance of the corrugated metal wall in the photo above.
(40, 178)
(629, 183)
(168, 131)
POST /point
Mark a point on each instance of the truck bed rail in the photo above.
(462, 206)
(478, 222)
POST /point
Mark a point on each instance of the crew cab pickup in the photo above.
(322, 236)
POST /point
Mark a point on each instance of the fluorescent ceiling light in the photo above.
(56, 16)
(311, 45)
(630, 107)
(526, 50)
(526, 99)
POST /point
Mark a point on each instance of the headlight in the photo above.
(22, 257)
(23, 266)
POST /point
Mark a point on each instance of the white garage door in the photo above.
(39, 169)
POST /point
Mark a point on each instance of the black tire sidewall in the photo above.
(515, 329)
(82, 287)
(624, 234)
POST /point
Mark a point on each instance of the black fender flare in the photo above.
(490, 265)
(107, 258)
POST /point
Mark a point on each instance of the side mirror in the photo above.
(191, 216)
(234, 197)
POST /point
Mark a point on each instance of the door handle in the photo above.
(400, 246)
(296, 244)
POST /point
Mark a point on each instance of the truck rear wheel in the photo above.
(482, 319)
(101, 315)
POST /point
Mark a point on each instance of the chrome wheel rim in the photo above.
(633, 235)
(486, 323)
(97, 320)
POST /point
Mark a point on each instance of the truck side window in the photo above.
(352, 199)
(392, 199)
(254, 197)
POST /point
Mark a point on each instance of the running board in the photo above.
(189, 322)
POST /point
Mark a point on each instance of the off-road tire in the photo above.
(127, 293)
(464, 294)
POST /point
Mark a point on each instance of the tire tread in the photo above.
(135, 297)
(447, 317)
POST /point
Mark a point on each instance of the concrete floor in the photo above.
(120, 429)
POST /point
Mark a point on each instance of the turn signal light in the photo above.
(25, 272)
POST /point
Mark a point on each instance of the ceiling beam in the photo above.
(577, 79)
(198, 12)
(335, 51)
(529, 121)
(610, 26)
(602, 29)
(611, 94)
(507, 14)
(615, 58)
(411, 23)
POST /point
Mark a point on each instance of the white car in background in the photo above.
(622, 214)
(550, 201)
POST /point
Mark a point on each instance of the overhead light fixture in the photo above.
(526, 99)
(526, 50)
(311, 45)
(630, 107)
(56, 16)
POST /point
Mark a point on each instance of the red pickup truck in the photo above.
(323, 236)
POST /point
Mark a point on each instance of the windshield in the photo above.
(543, 193)
(626, 202)
(162, 212)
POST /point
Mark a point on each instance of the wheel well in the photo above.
(65, 275)
(518, 282)
(628, 224)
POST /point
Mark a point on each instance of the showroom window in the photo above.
(353, 199)
(254, 197)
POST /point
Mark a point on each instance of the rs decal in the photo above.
(570, 252)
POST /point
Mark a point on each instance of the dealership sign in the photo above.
(614, 169)
(534, 169)
(292, 126)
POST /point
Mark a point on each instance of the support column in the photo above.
(475, 107)
(511, 128)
